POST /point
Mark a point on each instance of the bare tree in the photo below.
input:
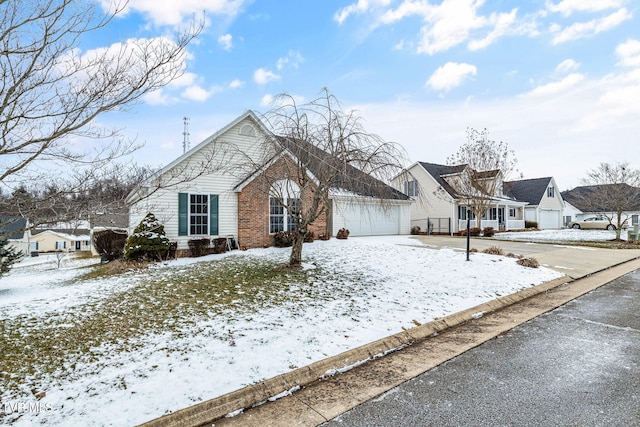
(51, 94)
(482, 166)
(610, 190)
(322, 150)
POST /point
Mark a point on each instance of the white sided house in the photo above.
(212, 191)
(438, 209)
(544, 201)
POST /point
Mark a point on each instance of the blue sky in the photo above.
(558, 80)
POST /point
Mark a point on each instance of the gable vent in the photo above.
(247, 130)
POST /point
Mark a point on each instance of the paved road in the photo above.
(578, 365)
(574, 261)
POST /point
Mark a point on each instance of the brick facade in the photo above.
(253, 206)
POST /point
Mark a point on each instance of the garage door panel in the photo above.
(371, 220)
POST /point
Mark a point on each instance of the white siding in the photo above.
(164, 203)
(431, 202)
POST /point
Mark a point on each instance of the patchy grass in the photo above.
(160, 301)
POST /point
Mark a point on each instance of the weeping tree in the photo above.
(52, 93)
(481, 165)
(321, 150)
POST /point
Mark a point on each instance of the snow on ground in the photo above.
(564, 235)
(385, 285)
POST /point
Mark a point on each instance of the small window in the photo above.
(512, 212)
(411, 188)
(551, 192)
(198, 214)
(634, 219)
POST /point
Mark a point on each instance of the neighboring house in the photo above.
(16, 231)
(231, 201)
(65, 240)
(118, 222)
(570, 213)
(544, 201)
(437, 204)
(578, 206)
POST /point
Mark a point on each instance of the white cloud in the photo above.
(502, 23)
(451, 23)
(159, 97)
(293, 58)
(236, 84)
(361, 6)
(567, 65)
(266, 100)
(567, 7)
(196, 93)
(226, 41)
(450, 75)
(629, 53)
(263, 76)
(586, 29)
(173, 13)
(557, 87)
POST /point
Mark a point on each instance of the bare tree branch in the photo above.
(51, 92)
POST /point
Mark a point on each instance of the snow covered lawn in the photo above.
(121, 350)
(565, 235)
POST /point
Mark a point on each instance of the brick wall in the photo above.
(253, 206)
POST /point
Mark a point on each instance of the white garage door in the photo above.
(367, 219)
(549, 220)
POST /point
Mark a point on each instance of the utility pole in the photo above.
(185, 135)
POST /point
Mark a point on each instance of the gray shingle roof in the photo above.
(527, 190)
(585, 197)
(12, 227)
(345, 177)
(438, 171)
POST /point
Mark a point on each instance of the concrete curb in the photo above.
(250, 396)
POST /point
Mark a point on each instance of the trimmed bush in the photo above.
(343, 234)
(493, 250)
(220, 245)
(283, 239)
(488, 232)
(148, 241)
(198, 247)
(474, 231)
(415, 230)
(528, 262)
(530, 224)
(109, 244)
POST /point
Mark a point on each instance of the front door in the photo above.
(77, 245)
(501, 220)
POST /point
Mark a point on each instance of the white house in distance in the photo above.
(514, 202)
(226, 202)
(579, 206)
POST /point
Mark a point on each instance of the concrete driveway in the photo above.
(574, 261)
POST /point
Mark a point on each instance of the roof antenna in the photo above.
(185, 135)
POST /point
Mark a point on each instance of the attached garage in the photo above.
(365, 218)
(550, 219)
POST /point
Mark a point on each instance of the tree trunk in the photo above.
(295, 259)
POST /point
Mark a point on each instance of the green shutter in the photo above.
(183, 214)
(213, 215)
